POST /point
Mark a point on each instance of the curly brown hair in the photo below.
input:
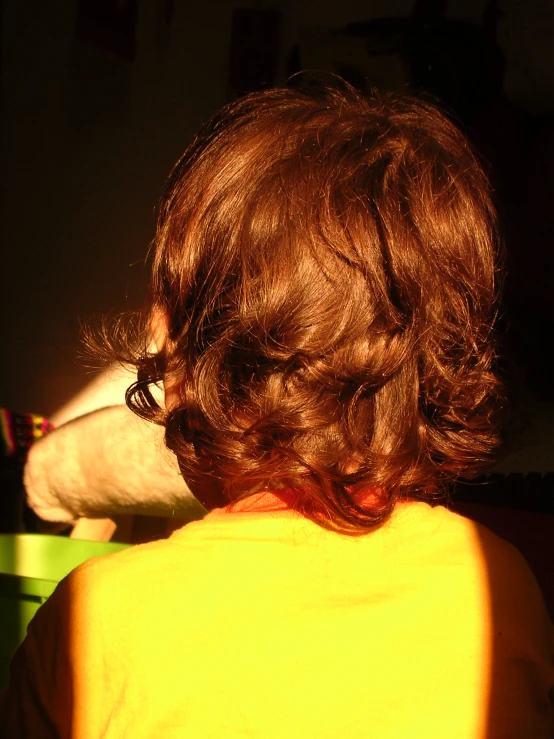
(325, 264)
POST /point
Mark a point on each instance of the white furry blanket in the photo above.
(105, 463)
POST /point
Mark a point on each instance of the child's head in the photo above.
(324, 265)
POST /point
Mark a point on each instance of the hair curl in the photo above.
(325, 263)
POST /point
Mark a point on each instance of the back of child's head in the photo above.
(325, 266)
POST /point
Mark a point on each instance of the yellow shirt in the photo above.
(255, 622)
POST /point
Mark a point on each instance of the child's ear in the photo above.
(158, 327)
(159, 330)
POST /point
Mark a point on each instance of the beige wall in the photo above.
(88, 142)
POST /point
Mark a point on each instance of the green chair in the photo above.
(31, 565)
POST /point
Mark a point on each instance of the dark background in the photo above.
(100, 97)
